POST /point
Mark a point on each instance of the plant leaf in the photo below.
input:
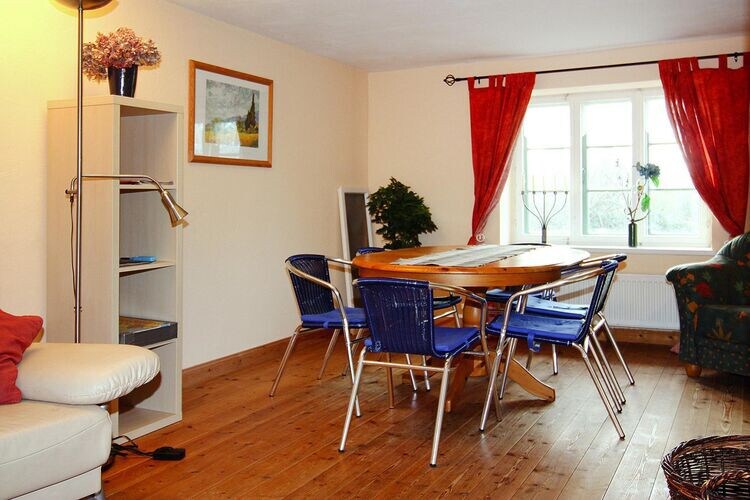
(645, 203)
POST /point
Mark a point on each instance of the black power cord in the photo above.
(129, 447)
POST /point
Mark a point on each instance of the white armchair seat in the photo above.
(53, 443)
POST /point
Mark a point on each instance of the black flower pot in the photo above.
(122, 80)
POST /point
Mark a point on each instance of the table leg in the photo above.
(517, 372)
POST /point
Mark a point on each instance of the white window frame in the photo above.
(575, 196)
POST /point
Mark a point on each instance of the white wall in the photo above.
(243, 221)
(419, 129)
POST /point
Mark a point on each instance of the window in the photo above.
(583, 146)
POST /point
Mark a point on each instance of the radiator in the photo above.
(635, 301)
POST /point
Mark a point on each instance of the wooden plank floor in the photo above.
(242, 444)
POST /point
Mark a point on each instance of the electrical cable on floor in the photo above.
(129, 447)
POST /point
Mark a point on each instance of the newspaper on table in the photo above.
(474, 256)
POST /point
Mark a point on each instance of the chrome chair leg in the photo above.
(491, 390)
(456, 317)
(608, 368)
(350, 360)
(389, 381)
(352, 399)
(554, 360)
(508, 360)
(613, 342)
(529, 359)
(600, 390)
(411, 374)
(440, 411)
(605, 381)
(354, 351)
(331, 345)
(426, 374)
(284, 359)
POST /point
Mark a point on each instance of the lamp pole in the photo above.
(81, 5)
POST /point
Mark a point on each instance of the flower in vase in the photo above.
(120, 49)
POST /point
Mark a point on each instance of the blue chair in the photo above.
(320, 306)
(519, 323)
(439, 303)
(400, 316)
(546, 305)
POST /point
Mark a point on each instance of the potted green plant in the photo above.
(116, 56)
(402, 214)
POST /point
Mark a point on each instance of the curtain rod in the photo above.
(450, 79)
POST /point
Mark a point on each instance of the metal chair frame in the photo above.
(338, 304)
(601, 324)
(587, 345)
(445, 370)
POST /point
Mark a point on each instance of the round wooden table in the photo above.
(536, 265)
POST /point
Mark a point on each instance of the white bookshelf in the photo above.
(121, 135)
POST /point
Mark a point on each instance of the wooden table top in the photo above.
(540, 264)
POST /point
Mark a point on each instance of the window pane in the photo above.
(547, 126)
(658, 127)
(606, 213)
(547, 169)
(607, 123)
(674, 173)
(674, 213)
(608, 168)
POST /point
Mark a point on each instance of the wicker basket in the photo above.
(730, 484)
(692, 463)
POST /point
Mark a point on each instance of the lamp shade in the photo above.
(87, 4)
(175, 211)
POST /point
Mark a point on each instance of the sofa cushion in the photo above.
(84, 373)
(16, 333)
(45, 443)
(725, 323)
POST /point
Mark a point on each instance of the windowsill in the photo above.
(644, 250)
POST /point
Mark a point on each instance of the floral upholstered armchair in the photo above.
(713, 299)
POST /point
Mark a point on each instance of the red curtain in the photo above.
(708, 108)
(496, 114)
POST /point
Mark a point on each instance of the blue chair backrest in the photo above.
(366, 250)
(399, 313)
(311, 297)
(609, 277)
(603, 282)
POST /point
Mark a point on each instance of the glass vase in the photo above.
(633, 234)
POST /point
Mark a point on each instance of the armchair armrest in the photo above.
(83, 373)
(709, 282)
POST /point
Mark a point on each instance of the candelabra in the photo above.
(540, 209)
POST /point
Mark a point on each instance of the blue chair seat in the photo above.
(332, 319)
(545, 307)
(445, 302)
(448, 341)
(538, 328)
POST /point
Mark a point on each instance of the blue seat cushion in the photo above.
(445, 302)
(498, 295)
(545, 307)
(448, 341)
(332, 319)
(536, 328)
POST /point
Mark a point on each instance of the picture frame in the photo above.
(230, 116)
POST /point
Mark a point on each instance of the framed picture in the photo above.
(231, 117)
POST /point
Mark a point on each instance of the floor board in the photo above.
(243, 444)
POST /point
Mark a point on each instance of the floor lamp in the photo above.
(176, 212)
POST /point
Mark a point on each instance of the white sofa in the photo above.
(54, 442)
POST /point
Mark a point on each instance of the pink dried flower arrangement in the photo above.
(120, 49)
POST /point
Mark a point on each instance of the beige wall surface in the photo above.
(243, 221)
(419, 130)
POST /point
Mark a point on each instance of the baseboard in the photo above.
(198, 374)
(644, 336)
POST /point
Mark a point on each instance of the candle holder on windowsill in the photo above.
(544, 213)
